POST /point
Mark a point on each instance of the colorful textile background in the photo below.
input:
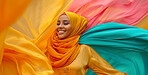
(143, 23)
(123, 46)
(19, 55)
(8, 15)
(39, 19)
(128, 12)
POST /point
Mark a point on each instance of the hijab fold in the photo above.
(62, 52)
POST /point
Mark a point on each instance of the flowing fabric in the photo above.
(8, 15)
(63, 52)
(38, 18)
(20, 56)
(128, 12)
(143, 23)
(124, 47)
(8, 12)
(38, 21)
(2, 37)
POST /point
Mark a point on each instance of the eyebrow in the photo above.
(65, 20)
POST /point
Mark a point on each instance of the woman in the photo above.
(67, 56)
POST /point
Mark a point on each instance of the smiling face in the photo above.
(63, 27)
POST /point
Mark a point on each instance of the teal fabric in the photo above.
(124, 47)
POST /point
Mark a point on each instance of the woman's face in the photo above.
(63, 27)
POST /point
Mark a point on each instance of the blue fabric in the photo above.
(124, 47)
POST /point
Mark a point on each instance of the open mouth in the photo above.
(61, 32)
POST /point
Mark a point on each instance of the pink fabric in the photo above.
(128, 12)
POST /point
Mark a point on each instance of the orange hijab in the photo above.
(63, 52)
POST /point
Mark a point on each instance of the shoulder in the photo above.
(84, 46)
(87, 48)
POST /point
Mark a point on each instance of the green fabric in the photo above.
(124, 47)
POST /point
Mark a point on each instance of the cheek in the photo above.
(69, 28)
(56, 28)
(69, 31)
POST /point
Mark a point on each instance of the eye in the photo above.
(58, 23)
(66, 23)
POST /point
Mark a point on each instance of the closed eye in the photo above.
(58, 23)
(65, 22)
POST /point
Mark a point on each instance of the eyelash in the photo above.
(66, 23)
(58, 23)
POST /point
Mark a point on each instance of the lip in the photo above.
(60, 32)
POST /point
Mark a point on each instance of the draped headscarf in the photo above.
(62, 52)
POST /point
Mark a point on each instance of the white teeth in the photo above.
(61, 31)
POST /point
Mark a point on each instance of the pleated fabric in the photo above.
(124, 47)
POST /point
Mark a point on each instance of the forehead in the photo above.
(63, 17)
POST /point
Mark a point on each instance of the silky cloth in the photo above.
(124, 47)
(38, 18)
(8, 12)
(128, 12)
(62, 52)
(8, 15)
(87, 58)
(22, 57)
(35, 23)
(143, 23)
(19, 55)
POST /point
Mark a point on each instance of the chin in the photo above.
(61, 37)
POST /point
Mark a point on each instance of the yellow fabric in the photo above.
(38, 18)
(87, 58)
(8, 15)
(63, 52)
(21, 56)
(10, 10)
(143, 23)
(2, 38)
